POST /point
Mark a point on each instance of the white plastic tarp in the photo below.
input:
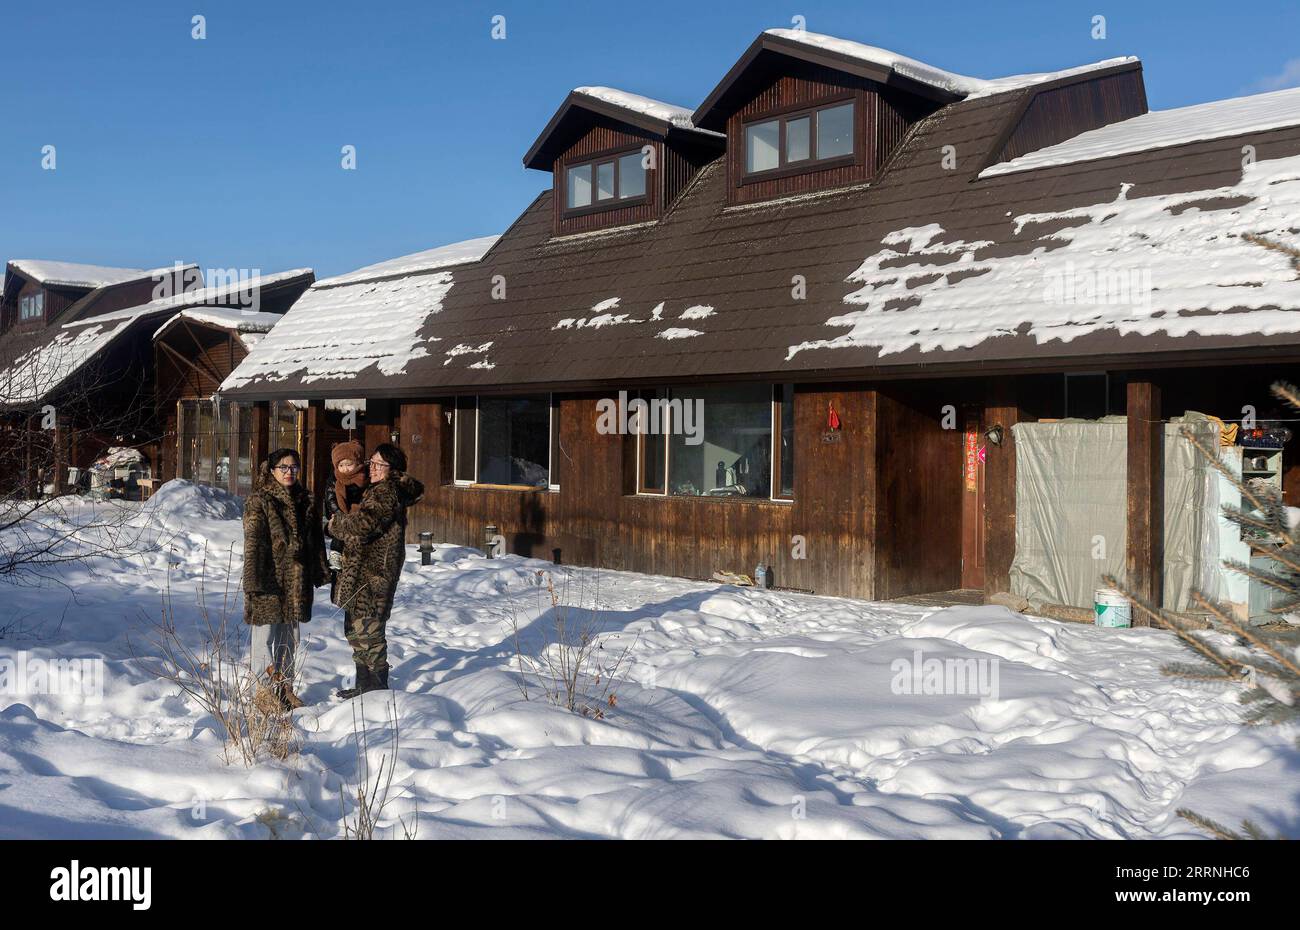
(1071, 510)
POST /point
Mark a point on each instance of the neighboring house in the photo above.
(868, 270)
(77, 361)
(203, 438)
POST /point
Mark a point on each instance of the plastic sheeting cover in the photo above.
(1071, 510)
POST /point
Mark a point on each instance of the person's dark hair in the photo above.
(391, 454)
(279, 455)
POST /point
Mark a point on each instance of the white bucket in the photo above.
(1111, 608)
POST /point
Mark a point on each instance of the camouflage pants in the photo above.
(368, 642)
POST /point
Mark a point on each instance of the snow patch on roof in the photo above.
(36, 373)
(71, 274)
(1164, 128)
(678, 332)
(680, 117)
(697, 312)
(243, 292)
(1193, 263)
(446, 256)
(339, 331)
(969, 87)
(236, 320)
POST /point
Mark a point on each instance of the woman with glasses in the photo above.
(374, 549)
(284, 562)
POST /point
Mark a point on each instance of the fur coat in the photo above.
(284, 553)
(374, 546)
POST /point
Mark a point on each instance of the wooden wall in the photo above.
(1062, 113)
(875, 507)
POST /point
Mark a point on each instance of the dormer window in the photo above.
(615, 180)
(618, 159)
(808, 139)
(32, 307)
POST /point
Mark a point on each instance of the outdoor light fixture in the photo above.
(426, 548)
(394, 436)
(994, 434)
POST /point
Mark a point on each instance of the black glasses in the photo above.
(379, 463)
(288, 469)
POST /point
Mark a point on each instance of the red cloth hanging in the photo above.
(832, 418)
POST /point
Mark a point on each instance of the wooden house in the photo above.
(77, 361)
(846, 276)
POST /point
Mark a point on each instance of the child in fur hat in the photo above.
(342, 493)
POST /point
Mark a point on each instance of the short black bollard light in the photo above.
(490, 540)
(426, 548)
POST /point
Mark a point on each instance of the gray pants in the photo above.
(273, 647)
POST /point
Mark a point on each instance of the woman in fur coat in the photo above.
(374, 549)
(284, 562)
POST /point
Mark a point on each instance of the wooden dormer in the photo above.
(618, 159)
(801, 117)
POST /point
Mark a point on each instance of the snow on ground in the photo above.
(744, 713)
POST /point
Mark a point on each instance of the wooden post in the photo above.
(57, 458)
(379, 423)
(1145, 546)
(258, 443)
(316, 455)
(1001, 408)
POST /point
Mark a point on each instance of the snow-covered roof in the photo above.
(1164, 128)
(646, 106)
(457, 253)
(70, 274)
(1174, 264)
(40, 370)
(233, 319)
(930, 75)
(217, 295)
(370, 318)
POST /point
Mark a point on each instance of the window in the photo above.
(605, 182)
(578, 186)
(718, 441)
(783, 424)
(32, 306)
(209, 432)
(762, 141)
(805, 139)
(505, 441)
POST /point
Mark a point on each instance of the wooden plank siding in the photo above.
(875, 508)
(1061, 113)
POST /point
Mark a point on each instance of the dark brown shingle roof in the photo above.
(599, 308)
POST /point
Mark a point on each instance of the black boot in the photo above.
(362, 685)
(378, 679)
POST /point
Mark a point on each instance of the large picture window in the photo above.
(608, 181)
(718, 441)
(803, 140)
(505, 441)
(214, 442)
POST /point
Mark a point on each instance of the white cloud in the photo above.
(1289, 76)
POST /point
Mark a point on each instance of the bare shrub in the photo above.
(372, 793)
(213, 673)
(571, 668)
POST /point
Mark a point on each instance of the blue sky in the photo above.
(226, 151)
